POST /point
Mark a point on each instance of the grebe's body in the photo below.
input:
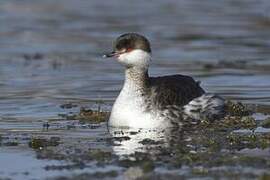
(156, 102)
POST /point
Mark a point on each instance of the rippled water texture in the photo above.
(72, 35)
(50, 54)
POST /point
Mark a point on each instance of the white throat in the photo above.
(135, 58)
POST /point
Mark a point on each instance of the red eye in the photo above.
(129, 49)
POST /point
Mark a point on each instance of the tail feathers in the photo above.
(208, 106)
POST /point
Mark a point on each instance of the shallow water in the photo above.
(51, 55)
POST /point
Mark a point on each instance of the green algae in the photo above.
(205, 149)
(200, 147)
(251, 141)
(265, 177)
(237, 109)
(230, 123)
(39, 143)
(87, 116)
(264, 109)
(199, 171)
(266, 123)
(99, 155)
(93, 116)
(147, 165)
(217, 159)
(236, 122)
(50, 153)
(87, 176)
(238, 116)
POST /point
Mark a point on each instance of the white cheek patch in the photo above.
(136, 57)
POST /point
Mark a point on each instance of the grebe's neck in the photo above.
(136, 78)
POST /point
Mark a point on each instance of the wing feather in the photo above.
(174, 90)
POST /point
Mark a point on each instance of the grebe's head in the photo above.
(131, 50)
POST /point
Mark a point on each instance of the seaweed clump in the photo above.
(250, 141)
(99, 155)
(238, 116)
(86, 115)
(40, 143)
(237, 109)
(85, 176)
(236, 122)
(94, 116)
(266, 123)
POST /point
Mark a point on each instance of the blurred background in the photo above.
(51, 50)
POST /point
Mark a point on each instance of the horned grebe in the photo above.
(156, 102)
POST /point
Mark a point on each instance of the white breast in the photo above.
(128, 111)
